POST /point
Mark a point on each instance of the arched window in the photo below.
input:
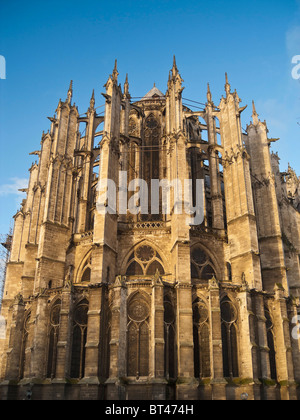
(80, 323)
(138, 337)
(169, 335)
(133, 127)
(145, 261)
(229, 338)
(201, 339)
(53, 338)
(201, 265)
(271, 344)
(154, 267)
(151, 158)
(24, 345)
(134, 269)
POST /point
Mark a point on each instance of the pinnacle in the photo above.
(92, 101)
(209, 97)
(254, 114)
(227, 85)
(115, 71)
(174, 68)
(70, 92)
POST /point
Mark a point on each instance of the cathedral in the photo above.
(143, 305)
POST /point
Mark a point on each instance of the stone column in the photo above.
(93, 335)
(39, 343)
(264, 360)
(118, 344)
(284, 359)
(218, 381)
(15, 341)
(186, 383)
(246, 341)
(158, 327)
(64, 339)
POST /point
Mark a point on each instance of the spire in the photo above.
(209, 97)
(254, 114)
(92, 101)
(115, 72)
(227, 85)
(70, 92)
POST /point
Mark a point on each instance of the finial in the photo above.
(209, 97)
(227, 85)
(254, 114)
(92, 101)
(115, 72)
(70, 92)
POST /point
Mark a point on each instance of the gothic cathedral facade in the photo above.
(124, 305)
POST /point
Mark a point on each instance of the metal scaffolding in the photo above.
(5, 241)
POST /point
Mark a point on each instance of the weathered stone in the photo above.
(145, 306)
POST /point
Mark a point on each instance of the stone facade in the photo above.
(138, 306)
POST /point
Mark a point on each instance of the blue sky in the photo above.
(48, 43)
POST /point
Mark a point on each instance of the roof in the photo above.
(153, 92)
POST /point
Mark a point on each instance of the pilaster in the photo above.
(15, 340)
(284, 360)
(217, 378)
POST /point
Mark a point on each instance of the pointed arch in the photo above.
(154, 267)
(201, 335)
(138, 334)
(151, 158)
(144, 258)
(203, 264)
(79, 339)
(229, 330)
(53, 334)
(85, 268)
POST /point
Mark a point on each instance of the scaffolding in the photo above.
(5, 241)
